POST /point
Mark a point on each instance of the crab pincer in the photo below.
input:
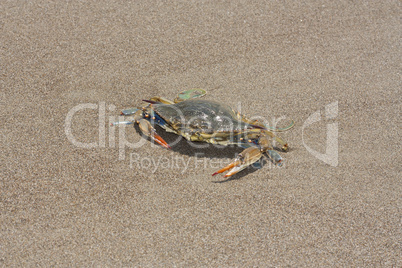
(248, 157)
(148, 130)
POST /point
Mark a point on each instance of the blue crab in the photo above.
(208, 121)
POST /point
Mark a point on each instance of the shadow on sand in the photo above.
(206, 150)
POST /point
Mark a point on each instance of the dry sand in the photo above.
(65, 205)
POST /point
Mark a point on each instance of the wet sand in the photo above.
(68, 68)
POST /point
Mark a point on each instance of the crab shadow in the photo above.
(206, 150)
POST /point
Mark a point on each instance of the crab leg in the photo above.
(130, 111)
(162, 100)
(149, 131)
(275, 157)
(243, 160)
(284, 144)
(122, 123)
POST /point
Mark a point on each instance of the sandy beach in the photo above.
(75, 191)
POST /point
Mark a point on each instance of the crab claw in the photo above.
(149, 131)
(243, 160)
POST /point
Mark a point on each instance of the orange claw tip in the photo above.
(230, 166)
(233, 171)
(168, 147)
(161, 141)
(165, 145)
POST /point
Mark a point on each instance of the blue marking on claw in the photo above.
(158, 120)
